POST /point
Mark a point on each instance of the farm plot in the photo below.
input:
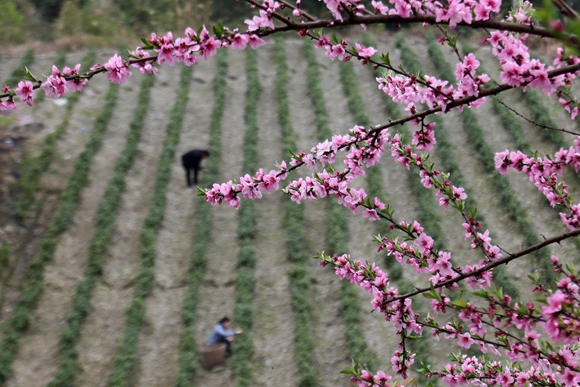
(129, 270)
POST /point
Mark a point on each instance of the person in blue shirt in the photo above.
(222, 334)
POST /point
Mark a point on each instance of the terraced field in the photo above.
(114, 272)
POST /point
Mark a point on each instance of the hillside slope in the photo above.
(158, 350)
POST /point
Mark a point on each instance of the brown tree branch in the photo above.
(534, 122)
(467, 100)
(493, 264)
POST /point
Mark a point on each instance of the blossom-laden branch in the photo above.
(364, 149)
(559, 320)
(501, 324)
(545, 173)
(518, 70)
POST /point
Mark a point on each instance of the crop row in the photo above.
(350, 306)
(33, 167)
(246, 259)
(541, 114)
(127, 353)
(295, 236)
(513, 207)
(21, 316)
(188, 363)
(104, 230)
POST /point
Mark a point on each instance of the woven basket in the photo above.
(213, 357)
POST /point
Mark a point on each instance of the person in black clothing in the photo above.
(192, 161)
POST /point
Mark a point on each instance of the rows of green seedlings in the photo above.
(246, 259)
(18, 73)
(104, 230)
(34, 167)
(446, 150)
(295, 236)
(512, 125)
(516, 212)
(375, 185)
(350, 306)
(21, 316)
(188, 362)
(127, 353)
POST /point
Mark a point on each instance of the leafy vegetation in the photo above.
(12, 22)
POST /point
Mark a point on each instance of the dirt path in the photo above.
(102, 330)
(158, 351)
(68, 267)
(273, 329)
(216, 294)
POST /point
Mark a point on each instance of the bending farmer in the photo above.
(222, 334)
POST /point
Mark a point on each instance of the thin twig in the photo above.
(493, 264)
(534, 122)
